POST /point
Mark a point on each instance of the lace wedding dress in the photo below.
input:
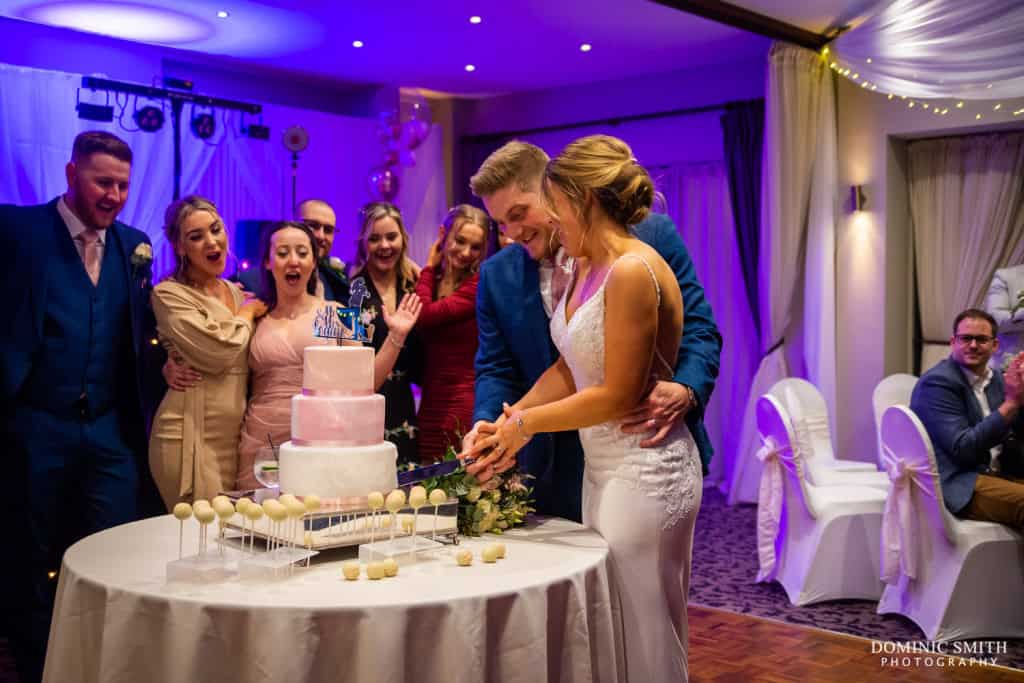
(643, 501)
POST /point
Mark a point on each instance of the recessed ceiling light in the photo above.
(470, 67)
(222, 14)
(357, 43)
(475, 19)
(586, 47)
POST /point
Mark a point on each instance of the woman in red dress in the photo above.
(447, 329)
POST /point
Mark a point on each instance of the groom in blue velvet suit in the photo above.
(75, 387)
(519, 287)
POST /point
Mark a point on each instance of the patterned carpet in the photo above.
(725, 564)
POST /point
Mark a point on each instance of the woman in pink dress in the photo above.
(288, 257)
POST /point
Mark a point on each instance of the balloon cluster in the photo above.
(400, 131)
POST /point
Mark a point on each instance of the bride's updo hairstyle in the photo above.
(604, 167)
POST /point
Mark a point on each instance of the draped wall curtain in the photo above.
(967, 208)
(797, 237)
(697, 197)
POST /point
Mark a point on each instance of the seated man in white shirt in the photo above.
(973, 416)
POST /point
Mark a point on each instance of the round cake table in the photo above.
(544, 613)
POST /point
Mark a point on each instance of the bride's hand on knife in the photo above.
(497, 452)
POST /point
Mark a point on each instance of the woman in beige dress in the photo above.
(205, 322)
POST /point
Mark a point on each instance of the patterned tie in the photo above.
(90, 240)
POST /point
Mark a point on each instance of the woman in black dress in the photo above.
(389, 274)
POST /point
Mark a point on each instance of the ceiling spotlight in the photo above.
(586, 47)
(222, 14)
(475, 19)
(357, 43)
(204, 126)
(470, 68)
(149, 118)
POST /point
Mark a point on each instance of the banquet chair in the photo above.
(819, 542)
(894, 390)
(809, 416)
(954, 578)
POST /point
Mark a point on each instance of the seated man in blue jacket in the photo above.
(518, 289)
(972, 414)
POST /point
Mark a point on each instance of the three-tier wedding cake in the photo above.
(337, 448)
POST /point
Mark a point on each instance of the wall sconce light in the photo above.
(857, 198)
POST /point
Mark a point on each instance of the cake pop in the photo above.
(437, 497)
(182, 511)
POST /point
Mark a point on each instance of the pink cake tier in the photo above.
(338, 371)
(337, 420)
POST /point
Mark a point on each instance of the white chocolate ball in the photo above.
(489, 554)
(275, 510)
(501, 550)
(350, 570)
(312, 502)
(202, 502)
(395, 500)
(285, 497)
(182, 511)
(219, 498)
(294, 508)
(204, 514)
(417, 497)
(390, 567)
(384, 523)
(464, 557)
(438, 497)
(224, 509)
(375, 501)
(242, 504)
(375, 570)
(253, 511)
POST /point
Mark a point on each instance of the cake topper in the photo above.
(335, 322)
(358, 293)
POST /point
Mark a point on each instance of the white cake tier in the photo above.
(337, 472)
(337, 370)
(337, 420)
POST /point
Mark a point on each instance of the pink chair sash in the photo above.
(900, 533)
(775, 460)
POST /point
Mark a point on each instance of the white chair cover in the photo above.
(819, 542)
(894, 390)
(809, 415)
(955, 578)
(900, 534)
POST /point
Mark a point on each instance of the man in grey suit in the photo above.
(973, 416)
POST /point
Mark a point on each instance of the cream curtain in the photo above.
(967, 208)
(798, 84)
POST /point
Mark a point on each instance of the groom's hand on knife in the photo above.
(667, 403)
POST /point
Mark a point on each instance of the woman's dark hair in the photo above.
(269, 287)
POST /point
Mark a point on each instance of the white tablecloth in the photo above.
(542, 614)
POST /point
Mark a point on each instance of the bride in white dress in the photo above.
(617, 328)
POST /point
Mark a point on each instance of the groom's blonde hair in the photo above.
(514, 162)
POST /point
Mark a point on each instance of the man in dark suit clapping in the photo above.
(973, 416)
(78, 379)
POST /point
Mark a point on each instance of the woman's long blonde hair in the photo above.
(369, 215)
(458, 216)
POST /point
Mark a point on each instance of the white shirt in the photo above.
(76, 227)
(978, 385)
(547, 268)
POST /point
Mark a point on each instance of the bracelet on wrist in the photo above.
(393, 342)
(517, 418)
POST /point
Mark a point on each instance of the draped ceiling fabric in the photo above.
(939, 48)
